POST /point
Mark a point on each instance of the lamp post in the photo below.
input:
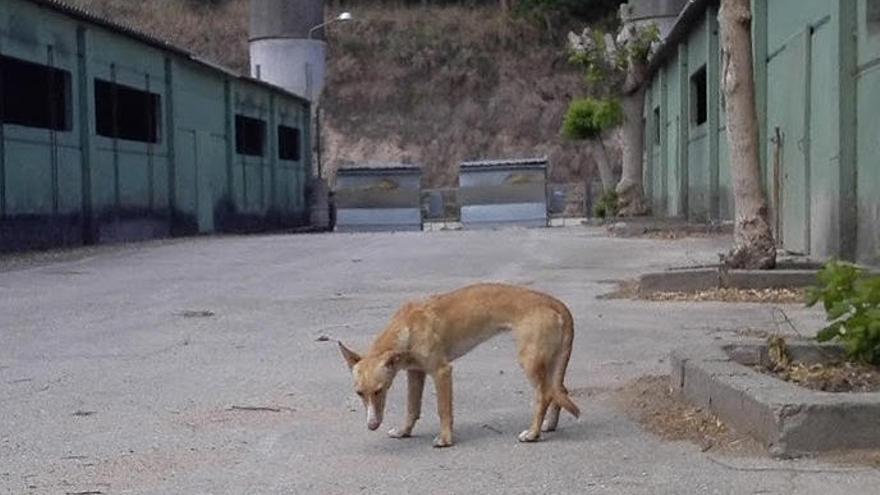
(345, 16)
(316, 99)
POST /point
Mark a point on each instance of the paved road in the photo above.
(131, 370)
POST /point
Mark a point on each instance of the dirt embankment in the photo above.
(438, 85)
(426, 85)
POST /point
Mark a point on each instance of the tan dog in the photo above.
(424, 337)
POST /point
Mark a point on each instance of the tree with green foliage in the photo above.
(589, 118)
(616, 68)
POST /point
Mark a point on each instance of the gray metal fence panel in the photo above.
(378, 199)
(499, 193)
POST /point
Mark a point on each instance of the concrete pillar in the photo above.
(847, 50)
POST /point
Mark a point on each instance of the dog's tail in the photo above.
(560, 393)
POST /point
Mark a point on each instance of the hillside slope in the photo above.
(424, 85)
(435, 86)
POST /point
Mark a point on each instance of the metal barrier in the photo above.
(378, 199)
(503, 192)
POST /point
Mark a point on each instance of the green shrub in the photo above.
(606, 207)
(587, 118)
(852, 305)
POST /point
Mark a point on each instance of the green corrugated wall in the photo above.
(74, 186)
(818, 105)
(868, 134)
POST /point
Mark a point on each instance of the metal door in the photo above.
(195, 184)
(788, 141)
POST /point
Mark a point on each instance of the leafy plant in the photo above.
(606, 58)
(852, 305)
(606, 207)
(587, 118)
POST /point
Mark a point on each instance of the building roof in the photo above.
(690, 17)
(83, 15)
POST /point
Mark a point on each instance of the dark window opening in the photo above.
(699, 103)
(34, 95)
(657, 125)
(126, 113)
(872, 16)
(288, 143)
(873, 12)
(250, 136)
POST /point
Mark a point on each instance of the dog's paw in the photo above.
(527, 436)
(398, 433)
(440, 442)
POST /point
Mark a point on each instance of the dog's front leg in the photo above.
(443, 384)
(415, 381)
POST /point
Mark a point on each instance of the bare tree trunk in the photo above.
(606, 173)
(630, 195)
(753, 240)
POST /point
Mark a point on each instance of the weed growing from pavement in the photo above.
(852, 305)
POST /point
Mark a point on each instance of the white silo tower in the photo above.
(287, 46)
(663, 13)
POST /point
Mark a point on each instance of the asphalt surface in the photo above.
(192, 367)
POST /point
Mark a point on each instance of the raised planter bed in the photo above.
(671, 227)
(701, 279)
(790, 420)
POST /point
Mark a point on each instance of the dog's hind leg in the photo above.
(559, 367)
(552, 418)
(537, 373)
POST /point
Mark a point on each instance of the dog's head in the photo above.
(372, 379)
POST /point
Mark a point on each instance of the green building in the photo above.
(109, 134)
(817, 75)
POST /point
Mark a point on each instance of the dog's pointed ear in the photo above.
(350, 356)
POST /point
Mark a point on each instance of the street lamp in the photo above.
(316, 99)
(345, 16)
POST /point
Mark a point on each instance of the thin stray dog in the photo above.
(424, 337)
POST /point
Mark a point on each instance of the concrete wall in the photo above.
(868, 148)
(74, 185)
(687, 173)
(41, 171)
(699, 165)
(816, 88)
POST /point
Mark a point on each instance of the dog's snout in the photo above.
(374, 417)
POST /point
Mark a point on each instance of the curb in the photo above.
(790, 420)
(567, 222)
(440, 226)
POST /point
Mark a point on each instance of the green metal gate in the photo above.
(788, 153)
(802, 137)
